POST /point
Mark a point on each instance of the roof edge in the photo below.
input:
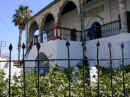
(43, 9)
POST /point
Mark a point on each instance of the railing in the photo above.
(107, 29)
(29, 48)
(111, 28)
(110, 82)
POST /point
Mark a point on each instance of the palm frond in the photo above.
(21, 16)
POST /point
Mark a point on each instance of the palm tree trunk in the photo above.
(123, 15)
(19, 43)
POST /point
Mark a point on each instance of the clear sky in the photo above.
(8, 32)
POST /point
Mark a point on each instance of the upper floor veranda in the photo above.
(61, 19)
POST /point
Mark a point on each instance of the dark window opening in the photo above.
(88, 1)
(73, 34)
(33, 29)
(49, 18)
(68, 7)
(48, 26)
(94, 31)
(128, 21)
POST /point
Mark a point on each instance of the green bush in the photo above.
(55, 84)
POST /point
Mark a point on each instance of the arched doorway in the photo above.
(69, 18)
(34, 31)
(95, 32)
(47, 26)
(43, 64)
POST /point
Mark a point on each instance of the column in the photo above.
(41, 36)
(56, 29)
(57, 34)
(107, 11)
(123, 15)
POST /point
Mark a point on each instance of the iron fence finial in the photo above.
(122, 45)
(67, 43)
(23, 46)
(10, 47)
(38, 46)
(98, 44)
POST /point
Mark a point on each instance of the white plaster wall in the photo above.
(57, 50)
(14, 71)
(62, 52)
(104, 51)
(93, 75)
(49, 49)
(5, 67)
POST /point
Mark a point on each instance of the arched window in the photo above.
(47, 26)
(69, 18)
(34, 32)
(73, 34)
(68, 7)
(94, 31)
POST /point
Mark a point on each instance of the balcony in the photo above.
(107, 30)
(57, 49)
(112, 28)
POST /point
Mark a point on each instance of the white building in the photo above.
(110, 16)
(15, 71)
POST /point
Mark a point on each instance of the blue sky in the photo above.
(8, 32)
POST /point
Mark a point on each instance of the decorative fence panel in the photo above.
(38, 81)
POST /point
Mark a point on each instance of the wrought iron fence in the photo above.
(71, 82)
(66, 82)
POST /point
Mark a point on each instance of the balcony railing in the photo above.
(108, 29)
(111, 28)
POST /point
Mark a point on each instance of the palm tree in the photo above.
(20, 18)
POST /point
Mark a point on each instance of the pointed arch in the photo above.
(95, 32)
(47, 25)
(67, 6)
(33, 28)
(93, 19)
(68, 17)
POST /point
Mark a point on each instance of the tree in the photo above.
(20, 18)
(55, 84)
(3, 85)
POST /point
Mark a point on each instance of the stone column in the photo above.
(56, 29)
(41, 36)
(107, 11)
(123, 15)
